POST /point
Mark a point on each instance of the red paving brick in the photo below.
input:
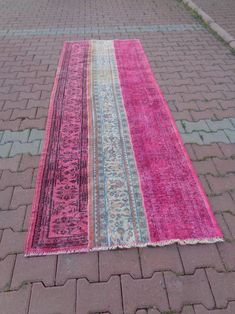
(53, 300)
(12, 301)
(22, 179)
(12, 219)
(29, 161)
(162, 258)
(5, 197)
(11, 242)
(200, 309)
(222, 285)
(227, 252)
(141, 293)
(188, 289)
(195, 71)
(77, 266)
(99, 297)
(204, 255)
(10, 163)
(6, 270)
(34, 269)
(119, 262)
(223, 203)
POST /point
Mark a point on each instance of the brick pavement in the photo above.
(196, 74)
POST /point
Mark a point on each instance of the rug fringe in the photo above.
(133, 245)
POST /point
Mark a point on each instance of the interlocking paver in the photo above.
(207, 151)
(158, 259)
(28, 161)
(5, 198)
(214, 137)
(13, 301)
(22, 179)
(221, 184)
(33, 269)
(200, 309)
(10, 163)
(227, 252)
(223, 286)
(23, 113)
(231, 135)
(153, 311)
(224, 165)
(188, 309)
(21, 197)
(224, 227)
(6, 270)
(25, 148)
(220, 125)
(19, 104)
(5, 115)
(230, 221)
(32, 103)
(191, 138)
(188, 289)
(141, 312)
(53, 299)
(228, 150)
(12, 242)
(10, 125)
(196, 126)
(13, 219)
(33, 123)
(36, 135)
(77, 266)
(147, 293)
(5, 150)
(119, 262)
(205, 166)
(41, 113)
(99, 297)
(223, 203)
(204, 255)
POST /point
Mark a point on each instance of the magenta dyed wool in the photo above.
(114, 171)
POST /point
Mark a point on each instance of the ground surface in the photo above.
(222, 12)
(196, 74)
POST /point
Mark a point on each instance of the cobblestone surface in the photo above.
(196, 74)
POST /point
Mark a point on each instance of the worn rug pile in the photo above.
(113, 172)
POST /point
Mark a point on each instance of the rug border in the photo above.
(32, 221)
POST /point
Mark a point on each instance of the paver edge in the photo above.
(220, 31)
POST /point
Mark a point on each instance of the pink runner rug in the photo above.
(113, 172)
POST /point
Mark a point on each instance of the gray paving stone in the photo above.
(11, 136)
(36, 134)
(231, 135)
(40, 147)
(220, 124)
(232, 121)
(196, 126)
(214, 137)
(5, 150)
(191, 138)
(180, 126)
(25, 148)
